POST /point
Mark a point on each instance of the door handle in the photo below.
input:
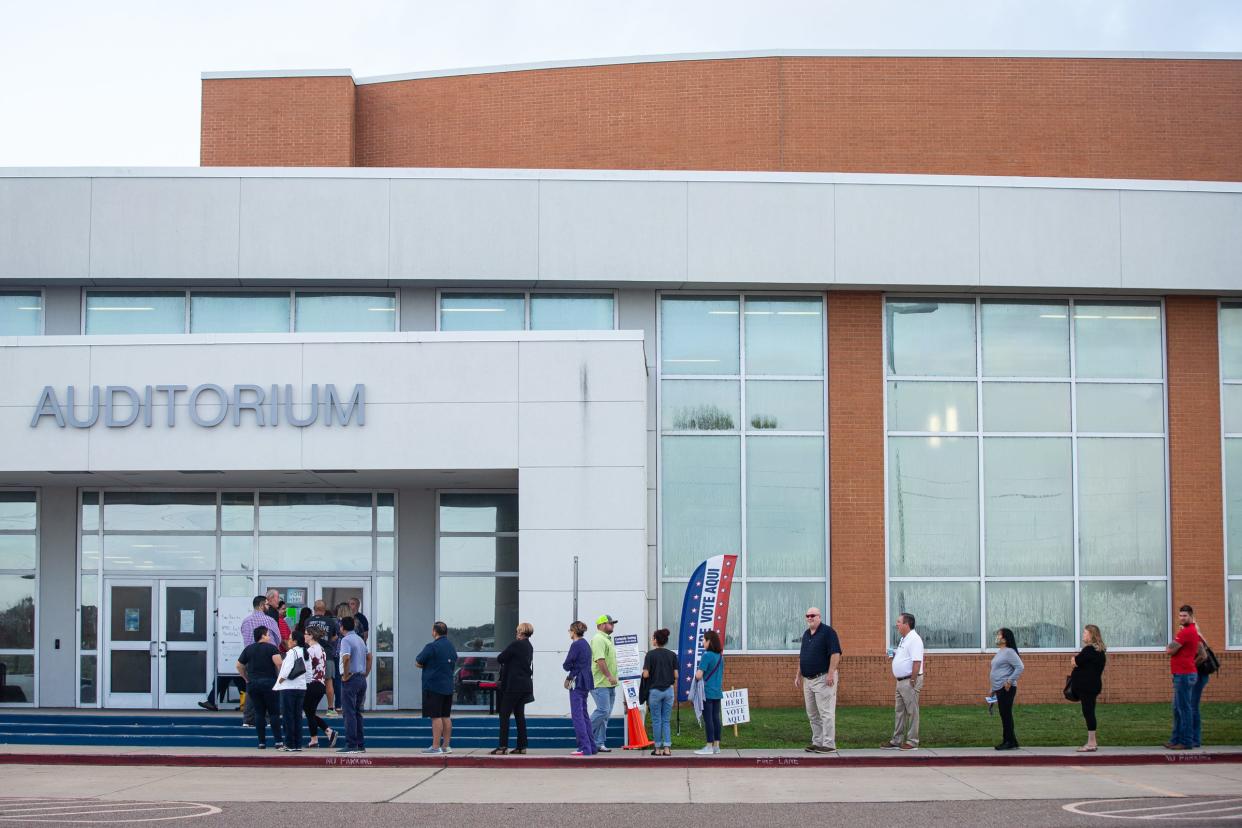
(154, 648)
(163, 649)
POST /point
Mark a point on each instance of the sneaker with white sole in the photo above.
(432, 751)
(706, 750)
(446, 750)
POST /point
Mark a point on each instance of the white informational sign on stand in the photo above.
(629, 667)
(230, 612)
(735, 707)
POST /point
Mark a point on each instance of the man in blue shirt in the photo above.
(818, 660)
(355, 667)
(438, 660)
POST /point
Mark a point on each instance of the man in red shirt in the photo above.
(1185, 676)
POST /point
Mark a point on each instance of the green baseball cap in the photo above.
(605, 619)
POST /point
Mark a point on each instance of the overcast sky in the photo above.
(116, 82)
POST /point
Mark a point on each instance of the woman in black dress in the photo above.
(516, 687)
(1087, 679)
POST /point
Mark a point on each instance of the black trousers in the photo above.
(1088, 711)
(222, 687)
(1004, 700)
(512, 704)
(266, 707)
(310, 706)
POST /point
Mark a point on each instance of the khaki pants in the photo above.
(906, 711)
(821, 709)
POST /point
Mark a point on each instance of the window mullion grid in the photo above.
(982, 494)
(742, 489)
(1074, 483)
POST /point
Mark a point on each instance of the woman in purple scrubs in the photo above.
(579, 684)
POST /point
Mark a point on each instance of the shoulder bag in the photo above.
(299, 666)
(1206, 660)
(1068, 692)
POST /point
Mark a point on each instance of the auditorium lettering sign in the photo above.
(208, 405)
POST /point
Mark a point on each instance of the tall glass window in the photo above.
(743, 457)
(517, 311)
(1026, 470)
(19, 560)
(21, 313)
(1231, 424)
(477, 594)
(164, 312)
(243, 540)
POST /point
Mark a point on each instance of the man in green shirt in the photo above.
(604, 671)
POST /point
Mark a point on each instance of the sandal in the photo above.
(1086, 749)
(518, 750)
(500, 751)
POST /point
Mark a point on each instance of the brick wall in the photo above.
(1195, 490)
(856, 466)
(866, 678)
(278, 122)
(1160, 119)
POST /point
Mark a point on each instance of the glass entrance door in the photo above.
(131, 643)
(158, 642)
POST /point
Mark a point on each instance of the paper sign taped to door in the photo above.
(132, 617)
(187, 622)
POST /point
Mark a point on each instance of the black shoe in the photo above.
(1007, 746)
(518, 750)
(500, 751)
(208, 705)
(262, 746)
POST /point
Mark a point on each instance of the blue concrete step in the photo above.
(209, 730)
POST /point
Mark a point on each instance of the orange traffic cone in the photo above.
(635, 732)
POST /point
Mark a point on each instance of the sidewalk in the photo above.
(481, 757)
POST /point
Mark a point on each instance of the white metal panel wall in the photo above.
(665, 229)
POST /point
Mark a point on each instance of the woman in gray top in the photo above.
(1006, 668)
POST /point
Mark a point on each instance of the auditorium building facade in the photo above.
(959, 335)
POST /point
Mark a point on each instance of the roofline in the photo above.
(736, 55)
(687, 176)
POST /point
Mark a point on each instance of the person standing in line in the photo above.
(580, 682)
(291, 688)
(908, 672)
(257, 618)
(258, 665)
(316, 683)
(604, 675)
(819, 660)
(711, 673)
(362, 624)
(1004, 674)
(299, 629)
(1087, 679)
(516, 687)
(329, 641)
(355, 667)
(437, 661)
(341, 612)
(660, 671)
(1182, 651)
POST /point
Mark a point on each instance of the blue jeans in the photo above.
(1196, 727)
(291, 716)
(660, 703)
(604, 698)
(1184, 708)
(354, 694)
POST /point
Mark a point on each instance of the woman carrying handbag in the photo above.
(291, 689)
(516, 687)
(1086, 680)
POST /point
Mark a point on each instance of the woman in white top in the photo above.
(291, 688)
(316, 684)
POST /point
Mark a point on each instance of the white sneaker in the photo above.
(715, 749)
(706, 750)
(446, 749)
(432, 751)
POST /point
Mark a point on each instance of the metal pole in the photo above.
(576, 588)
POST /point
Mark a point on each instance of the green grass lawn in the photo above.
(960, 726)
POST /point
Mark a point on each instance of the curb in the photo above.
(545, 762)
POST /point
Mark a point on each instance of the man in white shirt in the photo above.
(908, 671)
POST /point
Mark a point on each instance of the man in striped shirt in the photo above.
(258, 618)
